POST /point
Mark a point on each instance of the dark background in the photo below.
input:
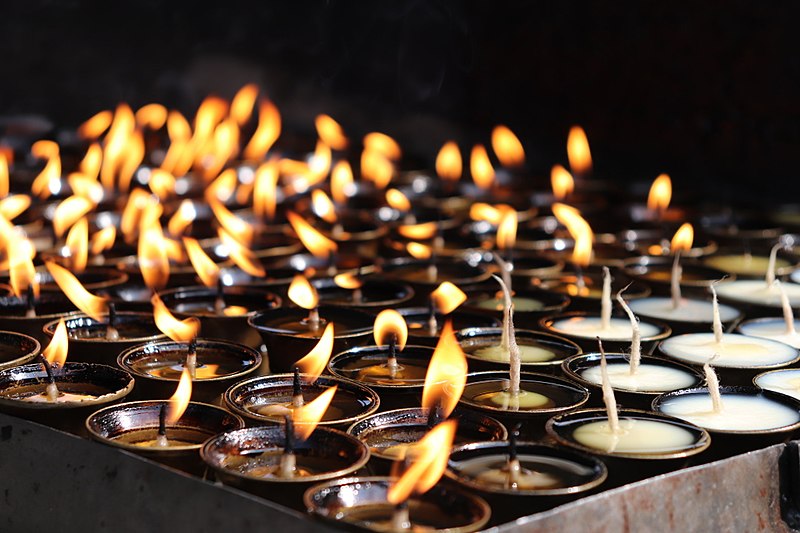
(707, 91)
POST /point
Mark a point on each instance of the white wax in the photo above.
(795, 276)
(648, 378)
(635, 436)
(735, 351)
(527, 354)
(784, 381)
(774, 329)
(756, 291)
(749, 265)
(690, 310)
(739, 412)
(521, 304)
(591, 327)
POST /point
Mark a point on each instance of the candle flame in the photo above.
(86, 187)
(423, 231)
(179, 401)
(51, 172)
(152, 249)
(683, 238)
(182, 218)
(382, 144)
(660, 193)
(178, 330)
(162, 183)
(69, 212)
(448, 297)
(307, 417)
(267, 132)
(22, 273)
(56, 351)
(342, 186)
(206, 269)
(562, 182)
(302, 293)
(241, 255)
(376, 168)
(13, 206)
(95, 126)
(4, 178)
(265, 190)
(237, 227)
(579, 229)
(323, 206)
(243, 102)
(481, 167)
(448, 162)
(91, 162)
(578, 153)
(103, 240)
(315, 361)
(507, 230)
(93, 306)
(491, 214)
(78, 245)
(397, 200)
(314, 241)
(347, 281)
(152, 116)
(507, 147)
(390, 323)
(418, 250)
(330, 132)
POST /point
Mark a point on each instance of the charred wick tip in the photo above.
(289, 444)
(47, 368)
(435, 416)
(296, 387)
(513, 436)
(193, 346)
(162, 419)
(112, 314)
(30, 297)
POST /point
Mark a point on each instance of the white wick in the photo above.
(605, 301)
(717, 323)
(773, 256)
(401, 520)
(608, 392)
(505, 270)
(162, 441)
(288, 466)
(191, 364)
(713, 385)
(508, 339)
(675, 280)
(788, 315)
(313, 319)
(433, 272)
(636, 335)
(51, 391)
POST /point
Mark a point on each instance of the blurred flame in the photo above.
(397, 200)
(177, 330)
(223, 187)
(683, 238)
(223, 146)
(92, 305)
(316, 243)
(86, 187)
(22, 273)
(660, 193)
(323, 207)
(419, 251)
(376, 168)
(423, 231)
(578, 153)
(429, 456)
(13, 206)
(56, 351)
(315, 361)
(206, 269)
(241, 255)
(342, 186)
(78, 245)
(180, 400)
(448, 297)
(507, 147)
(4, 183)
(490, 213)
(52, 170)
(103, 240)
(347, 281)
(579, 229)
(243, 102)
(132, 213)
(152, 116)
(480, 167)
(562, 182)
(507, 230)
(121, 148)
(162, 183)
(390, 322)
(94, 127)
(307, 417)
(448, 162)
(302, 293)
(382, 144)
(92, 161)
(318, 166)
(184, 215)
(237, 227)
(69, 212)
(265, 190)
(447, 373)
(330, 132)
(152, 249)
(267, 132)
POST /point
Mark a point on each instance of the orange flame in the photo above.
(423, 231)
(267, 132)
(52, 170)
(315, 361)
(316, 243)
(22, 273)
(397, 200)
(448, 162)
(330, 132)
(162, 183)
(243, 103)
(94, 127)
(342, 186)
(418, 250)
(660, 193)
(78, 245)
(429, 457)
(13, 206)
(223, 187)
(69, 212)
(448, 297)
(389, 322)
(507, 230)
(302, 293)
(447, 373)
(132, 213)
(318, 167)
(56, 351)
(92, 161)
(237, 227)
(683, 238)
(578, 153)
(180, 400)
(206, 269)
(480, 167)
(177, 330)
(382, 144)
(92, 305)
(4, 183)
(103, 240)
(152, 251)
(579, 229)
(120, 147)
(241, 255)
(347, 281)
(323, 207)
(265, 190)
(376, 168)
(507, 147)
(307, 417)
(562, 182)
(185, 215)
(483, 211)
(152, 116)
(86, 187)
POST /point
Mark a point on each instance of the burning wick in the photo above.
(788, 314)
(605, 301)
(508, 340)
(288, 466)
(773, 256)
(513, 466)
(297, 390)
(161, 438)
(713, 385)
(391, 361)
(433, 325)
(506, 268)
(191, 358)
(51, 391)
(219, 302)
(717, 321)
(580, 283)
(636, 336)
(30, 301)
(111, 329)
(675, 280)
(401, 519)
(435, 415)
(608, 395)
(313, 319)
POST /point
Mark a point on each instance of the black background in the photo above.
(707, 91)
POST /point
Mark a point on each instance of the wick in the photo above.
(580, 283)
(219, 302)
(51, 391)
(30, 301)
(331, 264)
(313, 319)
(435, 415)
(773, 256)
(297, 390)
(288, 466)
(605, 301)
(401, 519)
(161, 439)
(506, 268)
(433, 325)
(636, 335)
(191, 358)
(508, 340)
(358, 295)
(717, 321)
(675, 280)
(391, 362)
(514, 467)
(438, 243)
(608, 393)
(111, 329)
(713, 385)
(788, 314)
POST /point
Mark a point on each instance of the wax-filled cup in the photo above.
(656, 272)
(421, 333)
(584, 328)
(530, 304)
(15, 315)
(372, 294)
(17, 349)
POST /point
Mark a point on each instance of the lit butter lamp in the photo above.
(782, 329)
(634, 444)
(213, 364)
(170, 432)
(522, 478)
(657, 210)
(267, 399)
(616, 331)
(57, 393)
(606, 251)
(738, 356)
(410, 500)
(738, 418)
(290, 332)
(356, 232)
(280, 462)
(388, 434)
(748, 264)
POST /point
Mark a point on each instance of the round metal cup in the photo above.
(17, 349)
(656, 271)
(611, 345)
(489, 301)
(417, 319)
(375, 294)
